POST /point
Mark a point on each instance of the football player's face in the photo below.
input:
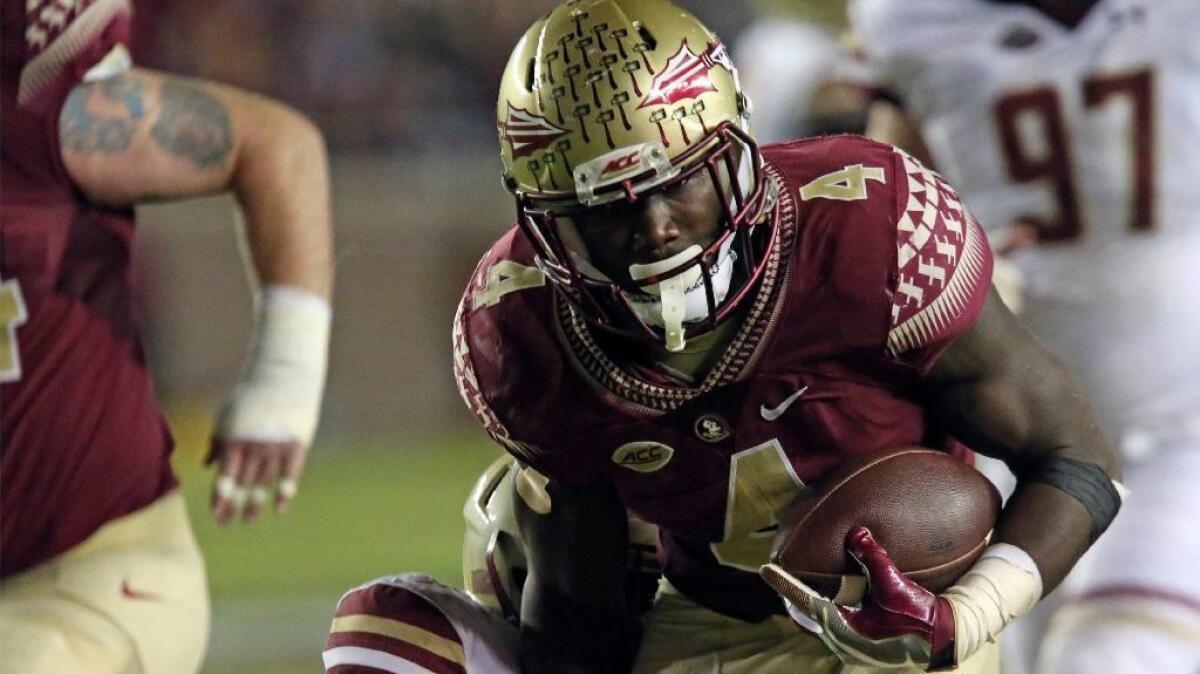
(654, 228)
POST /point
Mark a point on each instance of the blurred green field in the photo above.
(366, 508)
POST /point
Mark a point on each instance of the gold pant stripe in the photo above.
(438, 645)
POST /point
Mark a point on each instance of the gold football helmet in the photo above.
(494, 563)
(493, 558)
(609, 100)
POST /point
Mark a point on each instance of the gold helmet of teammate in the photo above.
(608, 100)
(493, 558)
(494, 563)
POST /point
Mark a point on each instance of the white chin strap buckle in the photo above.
(671, 291)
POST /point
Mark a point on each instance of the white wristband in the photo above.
(1000, 587)
(279, 396)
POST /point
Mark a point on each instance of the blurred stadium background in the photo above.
(405, 91)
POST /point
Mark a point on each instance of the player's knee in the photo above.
(388, 625)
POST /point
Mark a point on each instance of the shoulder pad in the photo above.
(64, 39)
(943, 263)
(480, 329)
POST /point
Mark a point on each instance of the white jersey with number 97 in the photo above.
(1090, 135)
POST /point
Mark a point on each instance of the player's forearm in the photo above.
(281, 179)
(560, 637)
(574, 616)
(1048, 524)
(1050, 422)
(1005, 396)
(549, 653)
(1046, 520)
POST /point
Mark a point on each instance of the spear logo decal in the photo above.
(528, 132)
(685, 76)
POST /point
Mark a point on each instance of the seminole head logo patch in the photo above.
(711, 428)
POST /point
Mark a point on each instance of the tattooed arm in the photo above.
(143, 136)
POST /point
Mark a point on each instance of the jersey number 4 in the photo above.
(506, 277)
(846, 184)
(1049, 157)
(761, 484)
(12, 314)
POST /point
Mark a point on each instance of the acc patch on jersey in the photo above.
(643, 456)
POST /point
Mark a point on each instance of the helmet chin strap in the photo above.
(671, 292)
(680, 298)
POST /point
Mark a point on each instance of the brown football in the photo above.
(931, 511)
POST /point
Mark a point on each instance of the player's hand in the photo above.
(259, 445)
(251, 475)
(899, 624)
(266, 426)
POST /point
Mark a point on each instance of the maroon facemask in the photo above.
(746, 197)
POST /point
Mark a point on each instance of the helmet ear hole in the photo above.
(529, 75)
(646, 35)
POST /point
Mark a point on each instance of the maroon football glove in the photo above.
(900, 624)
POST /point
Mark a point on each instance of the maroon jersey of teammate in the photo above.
(875, 270)
(83, 439)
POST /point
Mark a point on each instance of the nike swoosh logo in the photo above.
(771, 414)
(130, 593)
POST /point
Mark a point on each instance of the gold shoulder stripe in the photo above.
(438, 645)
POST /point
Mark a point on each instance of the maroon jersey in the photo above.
(83, 439)
(877, 268)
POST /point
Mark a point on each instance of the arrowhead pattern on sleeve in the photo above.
(61, 33)
(943, 263)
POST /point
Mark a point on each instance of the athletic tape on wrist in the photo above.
(1015, 555)
(300, 300)
(1000, 587)
(1086, 483)
(279, 396)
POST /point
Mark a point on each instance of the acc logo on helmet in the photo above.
(622, 163)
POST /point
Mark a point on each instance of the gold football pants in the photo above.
(682, 637)
(131, 599)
